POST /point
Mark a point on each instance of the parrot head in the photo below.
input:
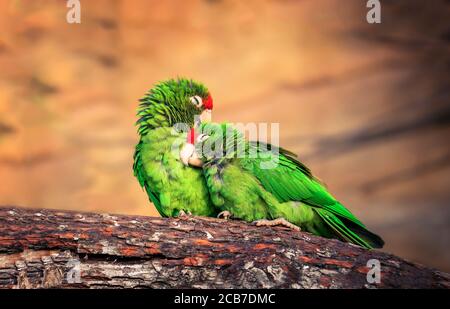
(173, 102)
(218, 142)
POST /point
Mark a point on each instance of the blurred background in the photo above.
(366, 106)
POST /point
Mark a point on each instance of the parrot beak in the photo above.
(206, 116)
(188, 155)
(194, 160)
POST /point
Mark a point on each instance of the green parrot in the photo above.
(254, 181)
(160, 167)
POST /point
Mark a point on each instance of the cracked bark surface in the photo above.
(50, 248)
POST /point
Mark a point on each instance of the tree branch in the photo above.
(51, 248)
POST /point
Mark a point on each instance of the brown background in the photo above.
(365, 106)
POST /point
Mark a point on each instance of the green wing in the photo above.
(291, 180)
(139, 172)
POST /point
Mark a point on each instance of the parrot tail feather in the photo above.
(372, 239)
(349, 231)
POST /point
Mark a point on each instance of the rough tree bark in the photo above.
(51, 248)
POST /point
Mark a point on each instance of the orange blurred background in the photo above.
(365, 106)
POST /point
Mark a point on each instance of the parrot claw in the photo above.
(183, 213)
(225, 215)
(279, 221)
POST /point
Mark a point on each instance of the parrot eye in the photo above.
(197, 101)
(202, 137)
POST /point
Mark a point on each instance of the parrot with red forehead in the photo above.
(167, 114)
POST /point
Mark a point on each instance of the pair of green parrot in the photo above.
(218, 173)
